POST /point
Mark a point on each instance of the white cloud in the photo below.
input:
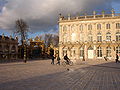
(43, 14)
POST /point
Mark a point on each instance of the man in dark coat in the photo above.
(53, 59)
(117, 57)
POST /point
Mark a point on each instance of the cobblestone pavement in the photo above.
(41, 75)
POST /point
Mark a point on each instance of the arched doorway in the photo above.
(90, 52)
(37, 51)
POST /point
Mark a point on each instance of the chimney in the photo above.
(113, 12)
(94, 14)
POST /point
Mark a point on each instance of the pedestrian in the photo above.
(52, 59)
(58, 60)
(25, 61)
(117, 57)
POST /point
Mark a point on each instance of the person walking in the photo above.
(52, 59)
(117, 57)
(58, 60)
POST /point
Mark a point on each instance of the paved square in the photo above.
(41, 75)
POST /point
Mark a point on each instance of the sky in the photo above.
(42, 15)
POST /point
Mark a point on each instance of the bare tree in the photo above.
(51, 39)
(48, 39)
(22, 29)
(55, 40)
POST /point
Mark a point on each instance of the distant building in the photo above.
(90, 36)
(8, 47)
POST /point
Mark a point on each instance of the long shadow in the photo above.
(60, 80)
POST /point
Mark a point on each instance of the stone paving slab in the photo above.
(41, 75)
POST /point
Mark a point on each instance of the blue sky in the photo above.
(42, 16)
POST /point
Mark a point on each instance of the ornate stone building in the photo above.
(37, 47)
(8, 47)
(90, 36)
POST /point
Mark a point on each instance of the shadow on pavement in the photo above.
(86, 78)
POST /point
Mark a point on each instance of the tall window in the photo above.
(99, 52)
(13, 49)
(108, 36)
(6, 48)
(81, 52)
(81, 27)
(65, 38)
(99, 37)
(73, 52)
(107, 26)
(90, 27)
(98, 26)
(0, 47)
(118, 36)
(73, 27)
(118, 50)
(81, 37)
(64, 28)
(90, 38)
(73, 37)
(108, 51)
(117, 25)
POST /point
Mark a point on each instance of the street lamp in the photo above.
(25, 51)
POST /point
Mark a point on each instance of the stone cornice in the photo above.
(89, 19)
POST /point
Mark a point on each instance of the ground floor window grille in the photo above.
(117, 36)
(108, 51)
(99, 52)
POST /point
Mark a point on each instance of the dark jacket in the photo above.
(53, 57)
(58, 58)
(66, 57)
(117, 57)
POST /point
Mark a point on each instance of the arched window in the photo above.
(99, 37)
(108, 51)
(117, 25)
(81, 52)
(81, 27)
(90, 27)
(118, 50)
(99, 52)
(118, 36)
(98, 26)
(107, 26)
(108, 36)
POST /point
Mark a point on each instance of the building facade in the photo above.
(90, 36)
(8, 47)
